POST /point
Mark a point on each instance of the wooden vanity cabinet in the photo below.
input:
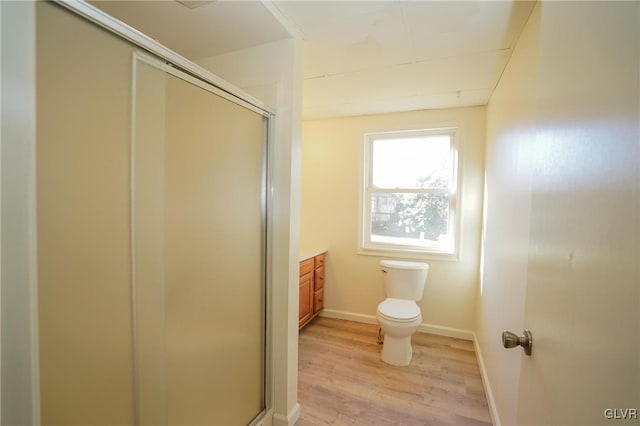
(311, 289)
(305, 312)
(318, 283)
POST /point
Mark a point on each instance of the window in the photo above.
(409, 204)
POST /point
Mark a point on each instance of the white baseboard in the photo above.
(493, 409)
(424, 327)
(440, 330)
(266, 420)
(290, 419)
(349, 316)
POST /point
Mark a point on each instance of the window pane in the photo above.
(418, 162)
(409, 219)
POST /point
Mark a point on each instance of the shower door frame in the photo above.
(185, 69)
(106, 21)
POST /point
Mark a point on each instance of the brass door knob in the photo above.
(511, 340)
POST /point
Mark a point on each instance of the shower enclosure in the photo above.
(151, 233)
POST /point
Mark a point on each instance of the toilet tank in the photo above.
(404, 280)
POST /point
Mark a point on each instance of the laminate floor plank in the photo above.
(343, 380)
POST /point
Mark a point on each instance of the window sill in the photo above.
(409, 254)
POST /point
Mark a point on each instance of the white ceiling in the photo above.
(360, 57)
(208, 30)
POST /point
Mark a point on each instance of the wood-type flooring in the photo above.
(343, 381)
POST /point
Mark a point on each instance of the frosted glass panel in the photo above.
(199, 247)
(148, 223)
(83, 92)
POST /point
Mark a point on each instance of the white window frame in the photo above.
(368, 247)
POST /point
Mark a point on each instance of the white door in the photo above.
(583, 284)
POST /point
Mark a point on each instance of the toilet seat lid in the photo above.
(399, 309)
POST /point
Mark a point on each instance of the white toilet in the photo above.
(398, 315)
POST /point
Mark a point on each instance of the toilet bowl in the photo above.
(399, 315)
(399, 319)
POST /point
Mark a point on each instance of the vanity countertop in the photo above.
(311, 253)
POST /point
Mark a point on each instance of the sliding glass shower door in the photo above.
(199, 242)
(151, 237)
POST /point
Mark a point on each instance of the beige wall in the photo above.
(240, 69)
(332, 152)
(562, 231)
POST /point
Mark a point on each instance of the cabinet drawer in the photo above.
(318, 301)
(306, 266)
(319, 260)
(318, 281)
